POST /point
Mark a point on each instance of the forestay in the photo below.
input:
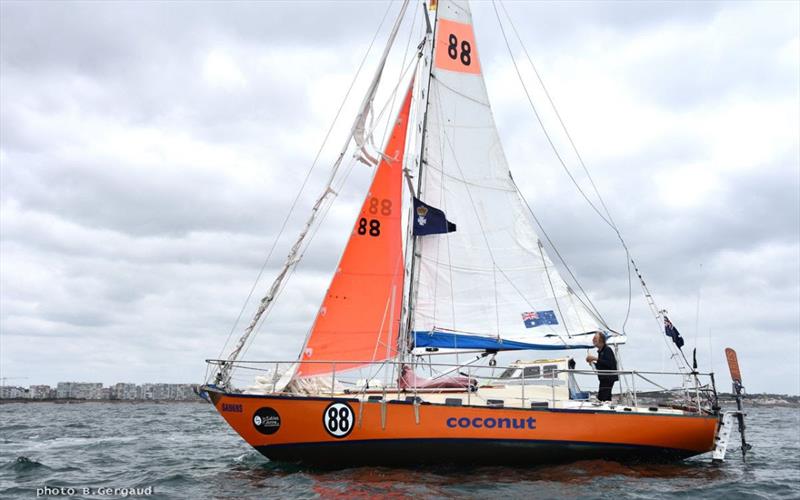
(490, 280)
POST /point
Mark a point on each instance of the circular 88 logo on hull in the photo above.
(338, 419)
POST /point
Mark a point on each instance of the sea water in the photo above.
(186, 450)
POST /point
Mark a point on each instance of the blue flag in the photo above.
(429, 220)
(672, 332)
(537, 318)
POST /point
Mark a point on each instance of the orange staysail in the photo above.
(360, 314)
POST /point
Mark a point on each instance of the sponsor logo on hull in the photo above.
(266, 420)
(491, 423)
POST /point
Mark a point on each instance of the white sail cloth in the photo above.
(484, 277)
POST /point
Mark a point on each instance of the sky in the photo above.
(150, 151)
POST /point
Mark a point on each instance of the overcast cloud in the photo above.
(149, 152)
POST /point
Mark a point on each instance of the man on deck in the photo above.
(605, 360)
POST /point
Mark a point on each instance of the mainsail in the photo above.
(360, 314)
(489, 284)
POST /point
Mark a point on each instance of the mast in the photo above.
(410, 299)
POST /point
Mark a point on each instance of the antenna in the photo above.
(710, 352)
(697, 315)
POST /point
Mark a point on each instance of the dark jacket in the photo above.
(606, 361)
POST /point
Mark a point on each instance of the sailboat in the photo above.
(444, 261)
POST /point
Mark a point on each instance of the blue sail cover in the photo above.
(447, 340)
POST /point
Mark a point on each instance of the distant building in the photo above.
(186, 392)
(146, 392)
(13, 392)
(39, 391)
(125, 391)
(162, 392)
(64, 390)
(79, 390)
(96, 391)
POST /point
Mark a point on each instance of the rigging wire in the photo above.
(329, 204)
(402, 71)
(590, 306)
(385, 141)
(305, 181)
(495, 268)
(592, 309)
(314, 230)
(541, 122)
(324, 212)
(552, 288)
(608, 219)
(558, 116)
(325, 207)
(611, 221)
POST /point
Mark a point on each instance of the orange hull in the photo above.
(312, 431)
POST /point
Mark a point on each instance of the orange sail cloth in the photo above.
(360, 315)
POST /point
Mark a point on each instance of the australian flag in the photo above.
(429, 220)
(672, 332)
(537, 318)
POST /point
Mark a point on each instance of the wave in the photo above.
(23, 465)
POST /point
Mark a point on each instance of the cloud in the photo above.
(147, 165)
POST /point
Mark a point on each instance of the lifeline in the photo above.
(491, 423)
